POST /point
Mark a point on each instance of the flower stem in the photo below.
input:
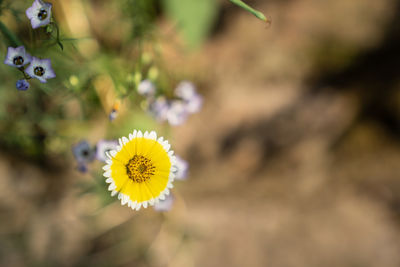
(248, 8)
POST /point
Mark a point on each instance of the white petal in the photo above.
(106, 167)
(109, 180)
(112, 187)
(131, 136)
(113, 193)
(139, 134)
(146, 135)
(153, 135)
(138, 206)
(125, 140)
(145, 204)
(113, 153)
(107, 173)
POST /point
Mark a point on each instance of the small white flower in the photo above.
(17, 57)
(146, 88)
(39, 13)
(177, 113)
(182, 167)
(40, 69)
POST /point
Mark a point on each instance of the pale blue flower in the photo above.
(40, 69)
(182, 167)
(39, 13)
(146, 88)
(164, 205)
(83, 154)
(17, 57)
(177, 113)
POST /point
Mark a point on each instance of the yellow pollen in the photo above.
(140, 169)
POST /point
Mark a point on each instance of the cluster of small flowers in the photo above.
(176, 111)
(85, 154)
(40, 15)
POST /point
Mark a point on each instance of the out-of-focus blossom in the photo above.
(164, 205)
(194, 103)
(40, 69)
(83, 154)
(185, 90)
(159, 109)
(39, 13)
(17, 57)
(146, 88)
(103, 147)
(177, 113)
(22, 85)
(182, 167)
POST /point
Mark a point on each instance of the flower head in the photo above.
(146, 88)
(103, 147)
(182, 167)
(177, 113)
(17, 57)
(39, 13)
(165, 205)
(194, 103)
(185, 90)
(140, 170)
(83, 154)
(159, 108)
(40, 69)
(22, 85)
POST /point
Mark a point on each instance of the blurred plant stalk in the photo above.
(248, 8)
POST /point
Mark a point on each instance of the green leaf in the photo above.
(194, 18)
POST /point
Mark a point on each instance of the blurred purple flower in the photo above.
(83, 154)
(194, 103)
(182, 167)
(40, 69)
(22, 85)
(146, 88)
(185, 90)
(164, 205)
(177, 113)
(17, 57)
(159, 108)
(39, 13)
(104, 146)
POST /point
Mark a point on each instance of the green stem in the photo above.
(248, 8)
(9, 35)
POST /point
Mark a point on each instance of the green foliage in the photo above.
(193, 17)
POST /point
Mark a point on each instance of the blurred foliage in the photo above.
(194, 18)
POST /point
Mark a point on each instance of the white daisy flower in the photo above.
(40, 69)
(17, 57)
(39, 13)
(141, 169)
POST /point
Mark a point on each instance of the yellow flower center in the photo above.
(140, 169)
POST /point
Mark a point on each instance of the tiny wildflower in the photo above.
(39, 13)
(159, 108)
(185, 90)
(141, 169)
(146, 88)
(40, 69)
(164, 205)
(182, 168)
(17, 57)
(22, 85)
(83, 154)
(177, 113)
(103, 147)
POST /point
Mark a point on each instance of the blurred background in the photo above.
(294, 158)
